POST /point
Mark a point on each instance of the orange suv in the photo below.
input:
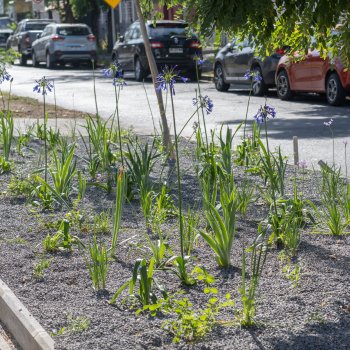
(313, 74)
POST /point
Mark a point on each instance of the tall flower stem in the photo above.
(200, 96)
(94, 82)
(246, 113)
(178, 177)
(45, 139)
(116, 113)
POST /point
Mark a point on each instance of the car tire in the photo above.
(35, 62)
(49, 63)
(283, 87)
(23, 60)
(259, 87)
(219, 78)
(140, 72)
(193, 75)
(335, 93)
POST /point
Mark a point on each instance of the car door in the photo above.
(40, 44)
(318, 68)
(123, 51)
(237, 61)
(301, 74)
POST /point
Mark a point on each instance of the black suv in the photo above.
(172, 44)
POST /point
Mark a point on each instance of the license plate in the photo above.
(176, 50)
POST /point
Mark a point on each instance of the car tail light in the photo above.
(157, 45)
(195, 44)
(280, 51)
(57, 38)
(91, 37)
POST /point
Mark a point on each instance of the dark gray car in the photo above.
(236, 58)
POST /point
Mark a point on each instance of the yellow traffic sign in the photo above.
(113, 3)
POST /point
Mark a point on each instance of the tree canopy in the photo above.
(275, 23)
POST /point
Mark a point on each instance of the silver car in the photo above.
(238, 57)
(64, 43)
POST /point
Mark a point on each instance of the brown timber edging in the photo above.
(27, 331)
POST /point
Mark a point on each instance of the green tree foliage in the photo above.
(275, 23)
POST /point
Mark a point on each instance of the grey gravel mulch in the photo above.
(315, 315)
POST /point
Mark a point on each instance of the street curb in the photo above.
(27, 331)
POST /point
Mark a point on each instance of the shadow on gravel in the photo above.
(319, 335)
(341, 262)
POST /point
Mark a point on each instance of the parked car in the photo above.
(64, 43)
(25, 33)
(172, 44)
(5, 22)
(4, 34)
(313, 74)
(233, 60)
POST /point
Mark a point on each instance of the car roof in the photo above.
(37, 20)
(164, 21)
(70, 24)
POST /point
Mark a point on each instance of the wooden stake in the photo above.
(295, 150)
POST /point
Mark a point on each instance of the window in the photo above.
(168, 29)
(73, 31)
(136, 34)
(36, 25)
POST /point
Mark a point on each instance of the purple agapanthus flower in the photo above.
(43, 86)
(4, 75)
(115, 72)
(264, 112)
(329, 123)
(204, 102)
(253, 74)
(168, 78)
(302, 164)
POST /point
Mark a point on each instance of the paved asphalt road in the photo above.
(302, 117)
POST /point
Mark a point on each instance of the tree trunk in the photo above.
(95, 13)
(68, 13)
(154, 72)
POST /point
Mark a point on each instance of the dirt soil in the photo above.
(314, 315)
(26, 107)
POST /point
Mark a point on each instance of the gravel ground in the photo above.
(315, 315)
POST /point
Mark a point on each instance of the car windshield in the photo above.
(73, 31)
(36, 25)
(168, 29)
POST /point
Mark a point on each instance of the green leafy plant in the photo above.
(102, 223)
(192, 324)
(292, 272)
(258, 252)
(140, 161)
(97, 264)
(6, 133)
(39, 268)
(119, 203)
(141, 286)
(61, 240)
(223, 227)
(77, 324)
(191, 234)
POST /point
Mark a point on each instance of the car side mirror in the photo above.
(121, 38)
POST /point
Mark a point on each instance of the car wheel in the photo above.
(258, 87)
(35, 62)
(335, 92)
(23, 60)
(193, 75)
(219, 79)
(49, 63)
(140, 72)
(283, 87)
